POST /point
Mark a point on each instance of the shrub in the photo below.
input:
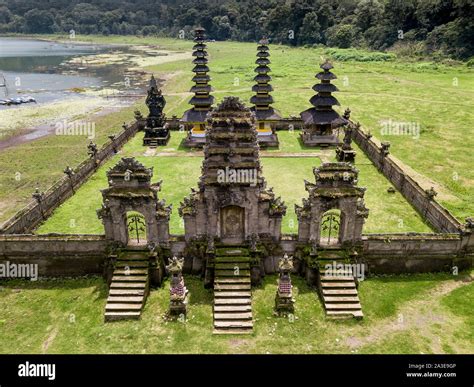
(351, 54)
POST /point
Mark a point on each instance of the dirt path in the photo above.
(49, 340)
(420, 314)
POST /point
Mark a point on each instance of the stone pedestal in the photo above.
(344, 155)
(284, 302)
(178, 291)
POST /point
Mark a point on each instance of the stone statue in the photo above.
(178, 291)
(92, 149)
(284, 302)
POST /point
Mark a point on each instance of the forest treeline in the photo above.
(418, 26)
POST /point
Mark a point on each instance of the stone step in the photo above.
(232, 331)
(232, 308)
(341, 299)
(337, 278)
(132, 264)
(232, 259)
(125, 307)
(116, 316)
(226, 287)
(346, 306)
(345, 292)
(345, 314)
(234, 251)
(338, 284)
(130, 278)
(232, 266)
(133, 257)
(233, 316)
(128, 285)
(325, 271)
(130, 271)
(232, 273)
(233, 324)
(230, 294)
(126, 292)
(125, 299)
(230, 280)
(232, 301)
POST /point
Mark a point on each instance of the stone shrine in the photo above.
(321, 121)
(156, 129)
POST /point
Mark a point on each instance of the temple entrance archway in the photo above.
(131, 212)
(137, 228)
(330, 228)
(232, 224)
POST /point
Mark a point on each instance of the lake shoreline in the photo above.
(28, 122)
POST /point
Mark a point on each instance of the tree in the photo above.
(310, 29)
(341, 35)
(368, 14)
(5, 15)
(39, 22)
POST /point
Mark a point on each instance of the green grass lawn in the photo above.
(285, 174)
(427, 313)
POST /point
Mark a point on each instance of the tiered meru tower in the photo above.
(321, 121)
(202, 101)
(266, 115)
(232, 203)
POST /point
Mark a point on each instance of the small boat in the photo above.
(17, 101)
(27, 99)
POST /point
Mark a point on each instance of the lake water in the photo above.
(38, 68)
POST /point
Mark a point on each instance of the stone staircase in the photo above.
(338, 289)
(129, 287)
(153, 143)
(232, 291)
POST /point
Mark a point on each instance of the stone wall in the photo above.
(283, 124)
(56, 255)
(33, 214)
(437, 216)
(402, 253)
(76, 255)
(415, 253)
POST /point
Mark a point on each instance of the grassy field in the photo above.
(180, 170)
(428, 313)
(41, 162)
(434, 97)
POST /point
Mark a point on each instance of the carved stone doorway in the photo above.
(137, 229)
(330, 228)
(232, 224)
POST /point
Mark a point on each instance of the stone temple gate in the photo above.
(130, 189)
(334, 202)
